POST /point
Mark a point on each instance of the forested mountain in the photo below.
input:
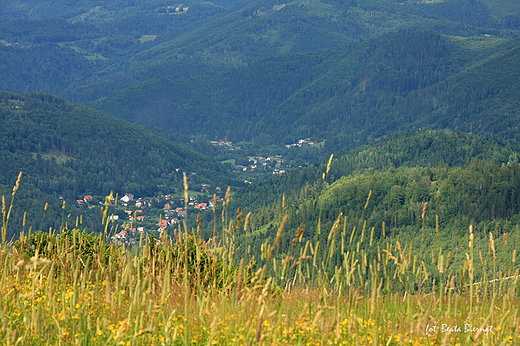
(68, 151)
(39, 40)
(106, 10)
(347, 95)
(464, 179)
(181, 59)
(262, 29)
(71, 150)
(342, 73)
(393, 203)
(413, 148)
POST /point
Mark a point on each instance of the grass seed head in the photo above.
(278, 236)
(228, 195)
(17, 185)
(185, 179)
(368, 199)
(247, 221)
(492, 245)
(328, 164)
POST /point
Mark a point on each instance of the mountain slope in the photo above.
(409, 149)
(68, 151)
(261, 29)
(71, 150)
(387, 183)
(348, 95)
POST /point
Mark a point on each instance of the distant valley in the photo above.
(242, 93)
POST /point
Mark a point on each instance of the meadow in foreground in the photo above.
(68, 287)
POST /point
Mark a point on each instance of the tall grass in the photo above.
(69, 287)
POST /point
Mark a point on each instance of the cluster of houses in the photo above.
(85, 199)
(172, 215)
(128, 198)
(225, 144)
(254, 162)
(266, 162)
(173, 9)
(278, 171)
(300, 143)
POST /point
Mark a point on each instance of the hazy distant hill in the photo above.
(261, 29)
(347, 95)
(271, 72)
(133, 41)
(49, 46)
(70, 150)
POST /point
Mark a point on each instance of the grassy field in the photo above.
(72, 288)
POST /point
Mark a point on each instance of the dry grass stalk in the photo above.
(278, 236)
(492, 245)
(246, 224)
(239, 215)
(299, 235)
(228, 195)
(185, 181)
(424, 211)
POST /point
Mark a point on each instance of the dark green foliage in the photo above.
(411, 149)
(86, 247)
(73, 150)
(70, 151)
(347, 96)
(248, 72)
(201, 265)
(481, 194)
(465, 179)
(44, 67)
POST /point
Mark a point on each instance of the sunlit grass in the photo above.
(72, 288)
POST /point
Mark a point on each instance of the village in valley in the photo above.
(252, 167)
(135, 216)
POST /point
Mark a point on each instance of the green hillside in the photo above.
(39, 40)
(132, 41)
(68, 151)
(410, 149)
(347, 95)
(246, 70)
(464, 179)
(261, 29)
